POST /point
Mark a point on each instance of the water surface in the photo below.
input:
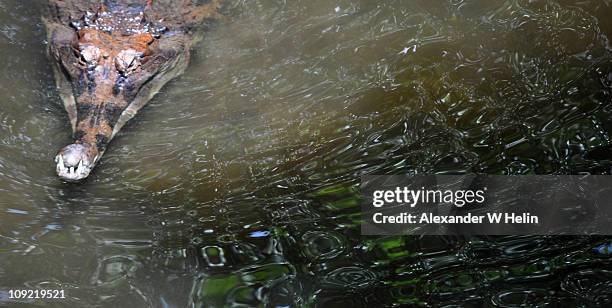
(238, 184)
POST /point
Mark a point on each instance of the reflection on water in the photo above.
(238, 183)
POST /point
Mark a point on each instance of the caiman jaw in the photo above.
(75, 161)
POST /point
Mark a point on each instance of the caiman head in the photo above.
(108, 65)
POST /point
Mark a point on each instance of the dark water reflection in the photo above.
(238, 184)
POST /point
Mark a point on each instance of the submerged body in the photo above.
(111, 57)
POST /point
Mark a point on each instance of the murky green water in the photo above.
(238, 184)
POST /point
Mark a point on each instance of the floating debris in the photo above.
(604, 249)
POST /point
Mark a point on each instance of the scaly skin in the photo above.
(111, 57)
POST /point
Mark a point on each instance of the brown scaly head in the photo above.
(109, 63)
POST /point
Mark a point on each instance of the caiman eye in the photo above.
(90, 54)
(128, 60)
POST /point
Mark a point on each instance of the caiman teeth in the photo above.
(61, 163)
(72, 171)
(81, 167)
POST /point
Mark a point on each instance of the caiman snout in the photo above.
(75, 161)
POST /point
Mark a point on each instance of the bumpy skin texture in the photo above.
(110, 58)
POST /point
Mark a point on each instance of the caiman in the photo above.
(110, 58)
